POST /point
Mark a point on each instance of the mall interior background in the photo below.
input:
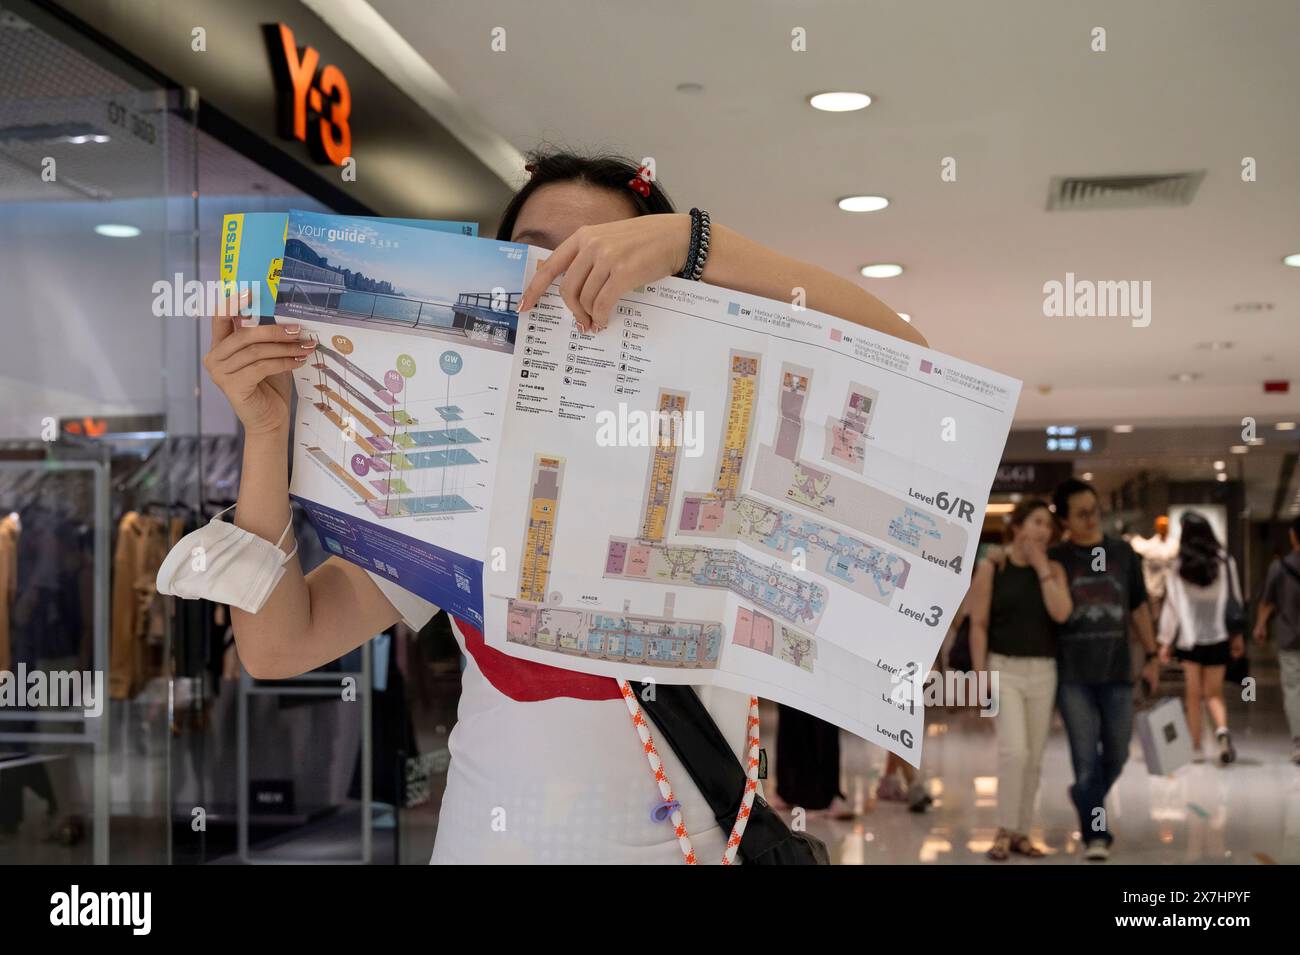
(1194, 410)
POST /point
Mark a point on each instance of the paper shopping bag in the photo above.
(1166, 742)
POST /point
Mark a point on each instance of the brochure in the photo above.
(398, 423)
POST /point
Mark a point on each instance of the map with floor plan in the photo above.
(788, 507)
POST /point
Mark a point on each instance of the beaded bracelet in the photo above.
(698, 251)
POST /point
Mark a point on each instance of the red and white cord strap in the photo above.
(665, 787)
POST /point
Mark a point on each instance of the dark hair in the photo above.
(605, 170)
(1199, 552)
(1066, 490)
(1295, 528)
(1020, 513)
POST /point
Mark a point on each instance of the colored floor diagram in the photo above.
(548, 473)
(535, 620)
(862, 567)
(781, 475)
(857, 505)
(786, 591)
(401, 465)
(646, 557)
(663, 466)
(846, 436)
(762, 633)
(617, 637)
(766, 584)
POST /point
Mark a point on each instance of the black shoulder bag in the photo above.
(1234, 614)
(686, 726)
(1234, 621)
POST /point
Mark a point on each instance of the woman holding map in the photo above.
(544, 765)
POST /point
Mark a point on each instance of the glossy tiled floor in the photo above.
(1247, 813)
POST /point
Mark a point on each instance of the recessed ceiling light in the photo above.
(883, 270)
(1254, 442)
(1219, 465)
(1087, 475)
(839, 102)
(1285, 426)
(117, 231)
(1185, 376)
(1239, 449)
(1221, 476)
(1292, 260)
(905, 317)
(863, 203)
(1123, 429)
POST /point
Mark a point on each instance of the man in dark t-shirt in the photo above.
(1094, 672)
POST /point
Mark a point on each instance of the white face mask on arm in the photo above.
(225, 564)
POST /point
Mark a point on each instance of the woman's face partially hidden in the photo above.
(1037, 528)
(557, 210)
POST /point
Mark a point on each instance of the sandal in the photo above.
(1000, 851)
(1022, 846)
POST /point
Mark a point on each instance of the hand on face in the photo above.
(1034, 548)
(602, 263)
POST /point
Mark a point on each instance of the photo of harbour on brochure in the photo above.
(372, 273)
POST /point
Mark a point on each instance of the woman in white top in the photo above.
(546, 765)
(1202, 586)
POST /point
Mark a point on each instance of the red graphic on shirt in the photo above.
(527, 682)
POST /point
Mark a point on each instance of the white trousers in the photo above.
(1026, 697)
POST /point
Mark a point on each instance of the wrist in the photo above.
(276, 438)
(681, 241)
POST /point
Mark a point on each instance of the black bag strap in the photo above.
(686, 726)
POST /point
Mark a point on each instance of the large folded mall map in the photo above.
(720, 489)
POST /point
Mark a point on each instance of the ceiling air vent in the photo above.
(1123, 192)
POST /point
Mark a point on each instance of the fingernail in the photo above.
(308, 344)
(300, 358)
(291, 329)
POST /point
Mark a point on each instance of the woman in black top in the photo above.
(1014, 612)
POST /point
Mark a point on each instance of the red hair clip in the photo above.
(530, 168)
(642, 182)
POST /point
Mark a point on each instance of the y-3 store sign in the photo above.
(314, 108)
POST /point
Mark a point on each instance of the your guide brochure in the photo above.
(718, 489)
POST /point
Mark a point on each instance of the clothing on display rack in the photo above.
(157, 496)
(139, 611)
(46, 623)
